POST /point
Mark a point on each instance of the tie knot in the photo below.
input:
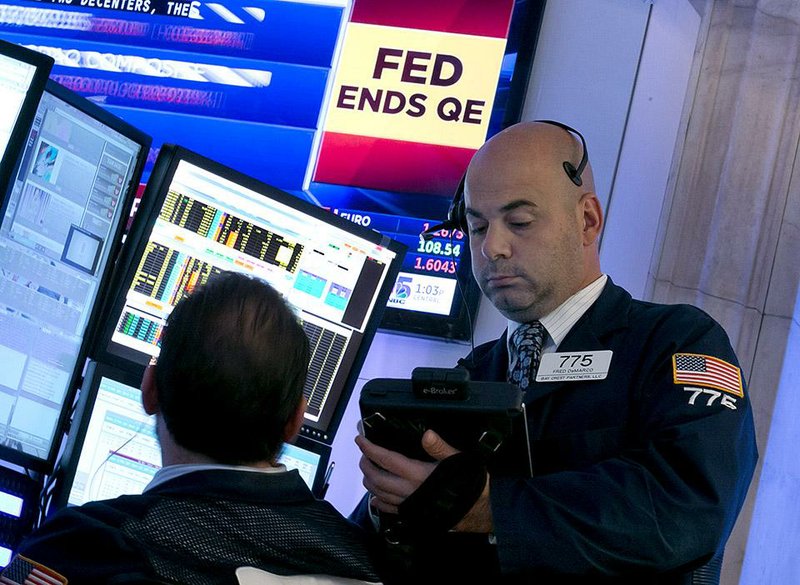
(527, 334)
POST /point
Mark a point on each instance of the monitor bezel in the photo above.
(117, 124)
(150, 205)
(11, 158)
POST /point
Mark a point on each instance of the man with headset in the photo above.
(641, 430)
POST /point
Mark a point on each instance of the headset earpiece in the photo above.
(573, 173)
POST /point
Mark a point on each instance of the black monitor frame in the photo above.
(459, 325)
(95, 111)
(10, 158)
(150, 205)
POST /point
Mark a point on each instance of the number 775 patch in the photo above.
(707, 397)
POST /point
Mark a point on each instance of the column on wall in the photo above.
(729, 238)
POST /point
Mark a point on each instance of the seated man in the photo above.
(227, 392)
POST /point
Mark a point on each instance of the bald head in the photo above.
(533, 232)
(540, 148)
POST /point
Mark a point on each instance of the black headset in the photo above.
(456, 213)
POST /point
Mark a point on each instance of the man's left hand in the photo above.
(391, 477)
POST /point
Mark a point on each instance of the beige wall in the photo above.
(728, 235)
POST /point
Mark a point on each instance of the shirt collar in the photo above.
(172, 471)
(560, 321)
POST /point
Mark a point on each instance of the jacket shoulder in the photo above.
(680, 317)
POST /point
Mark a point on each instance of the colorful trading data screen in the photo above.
(55, 242)
(208, 224)
(427, 279)
(120, 453)
(370, 108)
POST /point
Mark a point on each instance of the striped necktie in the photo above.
(526, 348)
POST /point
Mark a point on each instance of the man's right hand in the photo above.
(391, 477)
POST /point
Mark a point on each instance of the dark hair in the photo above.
(231, 371)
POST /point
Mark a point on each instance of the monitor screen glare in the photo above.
(55, 241)
(120, 452)
(15, 80)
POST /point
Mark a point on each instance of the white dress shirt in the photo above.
(172, 471)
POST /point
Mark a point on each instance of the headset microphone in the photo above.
(574, 173)
(456, 217)
(430, 233)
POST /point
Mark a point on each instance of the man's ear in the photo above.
(150, 391)
(592, 218)
(296, 421)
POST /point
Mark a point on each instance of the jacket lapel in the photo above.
(609, 313)
(493, 366)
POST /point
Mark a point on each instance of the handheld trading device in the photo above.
(486, 419)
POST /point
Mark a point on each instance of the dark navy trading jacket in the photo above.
(637, 478)
(197, 529)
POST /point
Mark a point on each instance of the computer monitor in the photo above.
(198, 218)
(310, 459)
(112, 447)
(23, 74)
(60, 234)
(113, 450)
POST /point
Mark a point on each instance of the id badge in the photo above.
(574, 366)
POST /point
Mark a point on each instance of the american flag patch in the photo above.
(22, 571)
(694, 368)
